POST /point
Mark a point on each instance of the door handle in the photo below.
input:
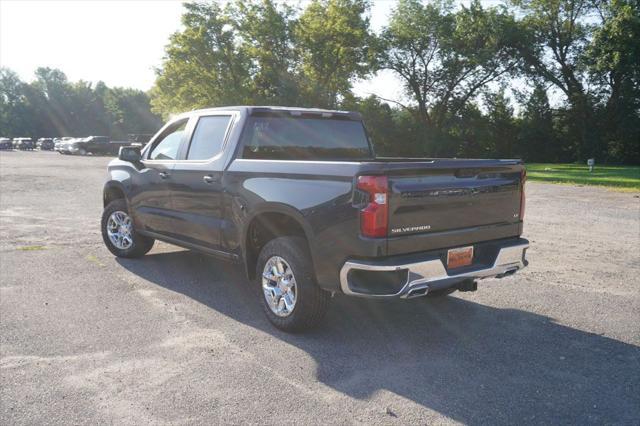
(163, 175)
(209, 179)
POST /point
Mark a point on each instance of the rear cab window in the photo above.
(304, 137)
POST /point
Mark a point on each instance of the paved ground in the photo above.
(178, 337)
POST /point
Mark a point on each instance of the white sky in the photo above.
(118, 41)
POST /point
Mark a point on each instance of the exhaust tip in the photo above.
(418, 292)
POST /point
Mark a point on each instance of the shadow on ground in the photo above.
(467, 361)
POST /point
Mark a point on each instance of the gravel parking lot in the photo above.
(178, 337)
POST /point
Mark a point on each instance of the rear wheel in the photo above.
(289, 295)
(118, 232)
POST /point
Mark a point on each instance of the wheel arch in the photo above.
(268, 223)
(113, 190)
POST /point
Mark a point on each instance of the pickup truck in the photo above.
(92, 144)
(300, 200)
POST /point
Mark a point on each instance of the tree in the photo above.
(553, 46)
(203, 65)
(334, 44)
(266, 32)
(14, 109)
(613, 58)
(446, 58)
(129, 112)
(51, 106)
(256, 53)
(469, 135)
(537, 141)
(50, 98)
(502, 128)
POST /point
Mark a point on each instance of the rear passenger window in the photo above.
(208, 137)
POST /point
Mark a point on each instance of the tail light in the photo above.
(523, 198)
(374, 217)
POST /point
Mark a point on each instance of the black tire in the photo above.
(312, 302)
(440, 293)
(141, 244)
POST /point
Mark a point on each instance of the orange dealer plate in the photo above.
(458, 257)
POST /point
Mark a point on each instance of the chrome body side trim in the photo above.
(421, 274)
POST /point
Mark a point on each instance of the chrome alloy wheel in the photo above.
(119, 230)
(279, 286)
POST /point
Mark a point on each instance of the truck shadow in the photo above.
(472, 363)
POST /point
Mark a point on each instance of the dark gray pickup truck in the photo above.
(100, 145)
(298, 197)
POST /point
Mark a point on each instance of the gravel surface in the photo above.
(178, 337)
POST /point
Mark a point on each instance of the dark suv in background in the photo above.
(23, 144)
(100, 145)
(5, 143)
(45, 144)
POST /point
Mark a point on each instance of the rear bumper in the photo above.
(414, 275)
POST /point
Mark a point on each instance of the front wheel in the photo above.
(118, 232)
(289, 295)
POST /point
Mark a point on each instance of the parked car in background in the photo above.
(63, 147)
(5, 143)
(141, 138)
(299, 198)
(71, 147)
(23, 144)
(94, 145)
(45, 144)
(58, 142)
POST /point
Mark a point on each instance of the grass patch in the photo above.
(31, 248)
(93, 259)
(619, 177)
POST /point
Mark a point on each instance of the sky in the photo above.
(118, 41)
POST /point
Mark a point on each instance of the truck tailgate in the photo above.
(447, 203)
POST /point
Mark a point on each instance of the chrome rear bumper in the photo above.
(422, 275)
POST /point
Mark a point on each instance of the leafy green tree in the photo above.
(203, 65)
(14, 108)
(470, 135)
(446, 58)
(51, 106)
(334, 45)
(502, 127)
(129, 112)
(266, 31)
(613, 58)
(537, 141)
(556, 34)
(256, 52)
(50, 98)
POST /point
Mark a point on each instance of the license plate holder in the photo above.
(458, 257)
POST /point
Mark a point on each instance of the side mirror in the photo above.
(132, 154)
